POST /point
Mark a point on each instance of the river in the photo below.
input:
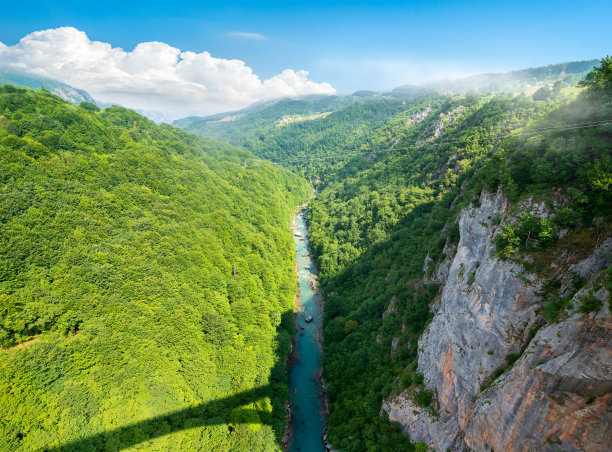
(308, 420)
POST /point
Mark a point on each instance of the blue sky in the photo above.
(351, 45)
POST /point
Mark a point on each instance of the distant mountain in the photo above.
(68, 93)
(516, 81)
(237, 126)
(256, 126)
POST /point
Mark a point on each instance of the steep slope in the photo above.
(439, 223)
(146, 284)
(517, 356)
(509, 268)
(238, 126)
(24, 79)
(489, 317)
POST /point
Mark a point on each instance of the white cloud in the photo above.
(152, 77)
(244, 34)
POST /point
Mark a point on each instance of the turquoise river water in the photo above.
(308, 419)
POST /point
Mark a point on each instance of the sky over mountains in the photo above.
(154, 76)
(200, 57)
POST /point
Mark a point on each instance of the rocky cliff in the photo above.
(554, 383)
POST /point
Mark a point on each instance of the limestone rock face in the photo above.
(559, 392)
(485, 312)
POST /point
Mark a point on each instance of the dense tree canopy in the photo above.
(146, 275)
(146, 283)
(394, 175)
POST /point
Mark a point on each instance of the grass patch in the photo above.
(471, 277)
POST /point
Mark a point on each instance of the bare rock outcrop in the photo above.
(436, 129)
(556, 397)
(559, 389)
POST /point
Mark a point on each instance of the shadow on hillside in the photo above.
(211, 413)
(226, 410)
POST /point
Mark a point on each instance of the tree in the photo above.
(598, 83)
(542, 94)
(350, 325)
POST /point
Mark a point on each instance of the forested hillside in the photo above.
(395, 176)
(234, 127)
(317, 137)
(146, 283)
(316, 145)
(378, 233)
(288, 130)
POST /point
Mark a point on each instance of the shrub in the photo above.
(424, 397)
(406, 380)
(565, 218)
(506, 242)
(512, 358)
(547, 233)
(471, 277)
(529, 233)
(589, 303)
(421, 446)
(578, 282)
(553, 308)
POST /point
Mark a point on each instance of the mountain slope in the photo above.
(568, 74)
(35, 82)
(311, 142)
(146, 283)
(401, 238)
(425, 200)
(240, 126)
(316, 137)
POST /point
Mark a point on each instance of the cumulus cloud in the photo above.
(152, 77)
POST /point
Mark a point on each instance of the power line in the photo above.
(449, 141)
(253, 162)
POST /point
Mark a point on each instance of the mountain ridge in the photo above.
(576, 70)
(33, 81)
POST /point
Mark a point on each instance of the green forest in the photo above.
(146, 283)
(371, 232)
(147, 274)
(392, 176)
